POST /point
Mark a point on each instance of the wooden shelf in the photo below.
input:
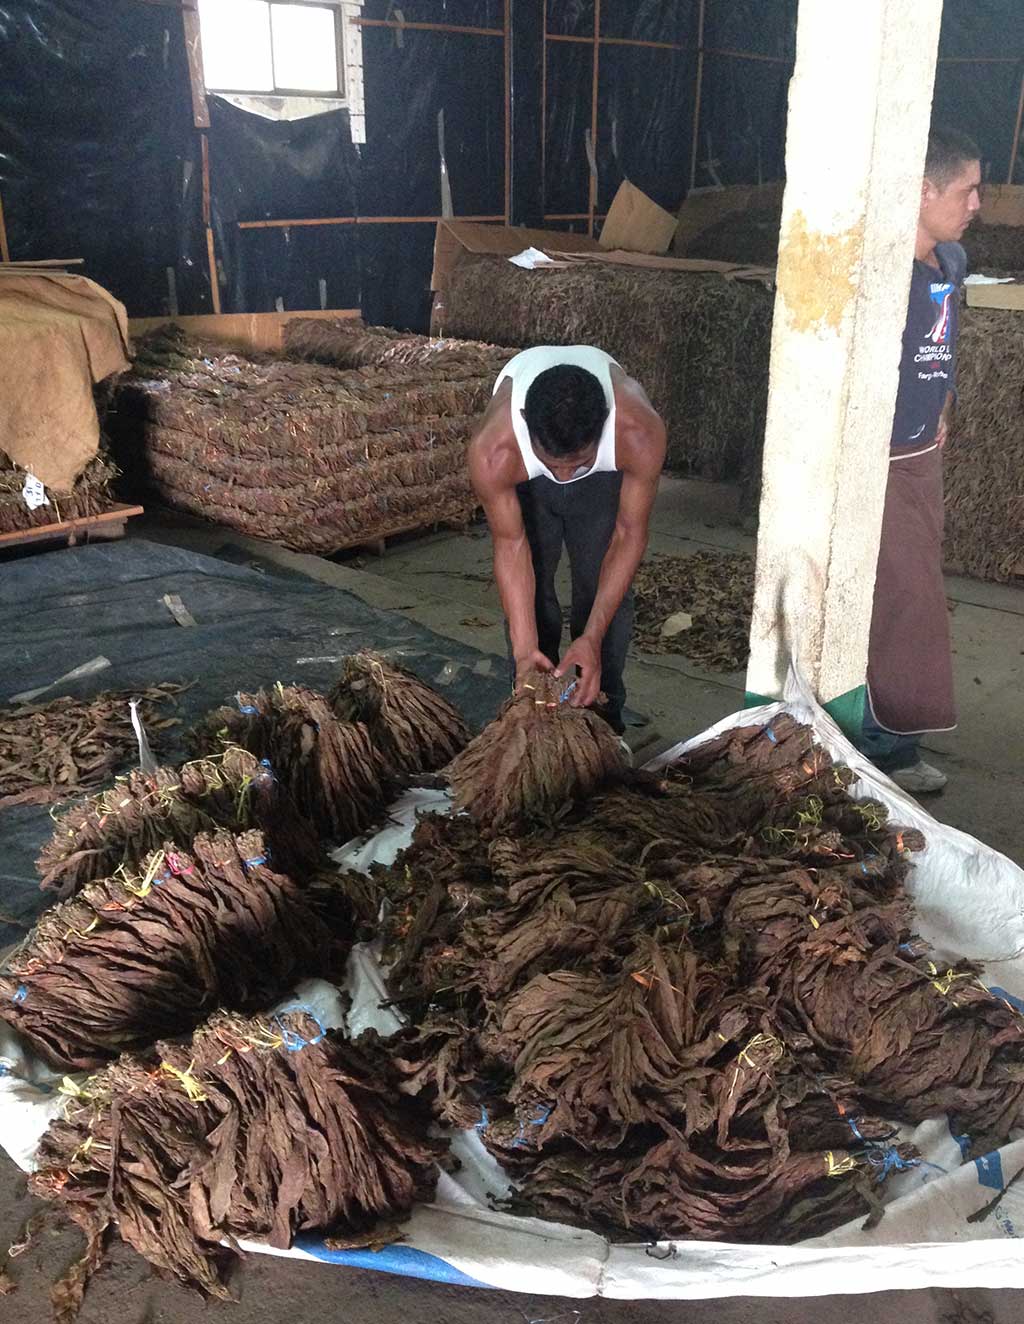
(108, 524)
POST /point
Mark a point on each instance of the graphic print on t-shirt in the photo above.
(941, 294)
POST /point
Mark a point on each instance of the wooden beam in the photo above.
(205, 149)
(249, 330)
(748, 55)
(196, 78)
(544, 109)
(358, 220)
(211, 254)
(428, 27)
(616, 41)
(1016, 133)
(508, 114)
(647, 45)
(5, 252)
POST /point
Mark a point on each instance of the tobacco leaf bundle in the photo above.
(534, 759)
(138, 956)
(329, 767)
(49, 751)
(257, 1129)
(141, 813)
(414, 727)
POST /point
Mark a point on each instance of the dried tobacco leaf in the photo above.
(141, 813)
(257, 1129)
(49, 751)
(534, 759)
(138, 956)
(330, 767)
(411, 724)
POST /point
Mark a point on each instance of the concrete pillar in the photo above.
(859, 109)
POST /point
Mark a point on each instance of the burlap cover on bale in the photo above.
(58, 335)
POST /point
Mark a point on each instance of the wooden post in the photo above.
(845, 256)
(592, 199)
(698, 90)
(211, 251)
(1016, 134)
(507, 67)
(196, 78)
(5, 252)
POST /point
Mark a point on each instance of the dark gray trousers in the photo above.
(581, 518)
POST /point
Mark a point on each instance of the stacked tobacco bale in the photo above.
(683, 1010)
(994, 248)
(984, 460)
(91, 494)
(304, 454)
(162, 1144)
(350, 343)
(698, 343)
(56, 749)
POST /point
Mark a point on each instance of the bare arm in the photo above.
(641, 447)
(492, 471)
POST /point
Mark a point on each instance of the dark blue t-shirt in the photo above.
(928, 363)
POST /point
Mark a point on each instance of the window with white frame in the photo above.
(292, 55)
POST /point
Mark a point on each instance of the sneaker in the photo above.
(920, 778)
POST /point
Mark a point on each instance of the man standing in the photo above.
(910, 669)
(569, 453)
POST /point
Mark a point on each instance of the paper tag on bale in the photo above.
(676, 624)
(34, 493)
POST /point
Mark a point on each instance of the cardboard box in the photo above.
(636, 224)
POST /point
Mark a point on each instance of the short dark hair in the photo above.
(948, 152)
(565, 409)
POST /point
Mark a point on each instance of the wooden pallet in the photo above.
(107, 525)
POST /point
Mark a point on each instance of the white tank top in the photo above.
(521, 372)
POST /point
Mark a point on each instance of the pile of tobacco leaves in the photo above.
(49, 751)
(697, 605)
(199, 892)
(677, 1004)
(253, 1128)
(684, 1009)
(90, 494)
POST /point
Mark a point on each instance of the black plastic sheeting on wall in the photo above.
(645, 101)
(974, 93)
(97, 155)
